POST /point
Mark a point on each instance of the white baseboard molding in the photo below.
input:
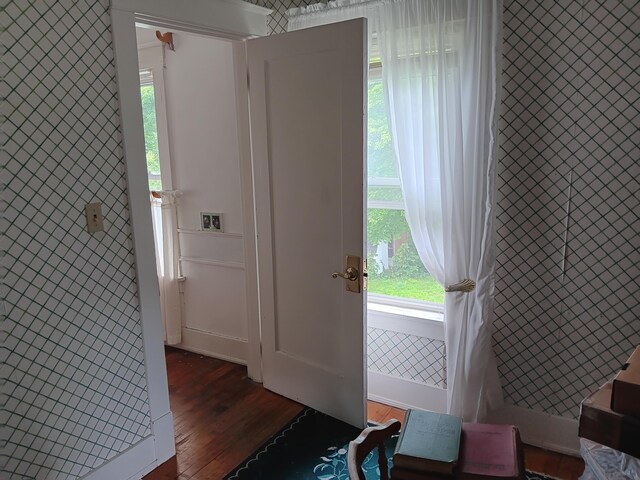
(214, 345)
(403, 393)
(132, 464)
(540, 429)
(164, 437)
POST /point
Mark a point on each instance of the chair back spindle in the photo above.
(369, 439)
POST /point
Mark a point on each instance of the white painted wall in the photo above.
(202, 121)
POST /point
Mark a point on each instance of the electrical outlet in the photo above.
(95, 222)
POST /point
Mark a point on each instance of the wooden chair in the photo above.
(370, 438)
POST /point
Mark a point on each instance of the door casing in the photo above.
(222, 20)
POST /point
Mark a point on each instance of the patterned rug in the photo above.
(313, 446)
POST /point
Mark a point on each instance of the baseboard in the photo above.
(404, 393)
(540, 429)
(164, 437)
(231, 349)
(132, 464)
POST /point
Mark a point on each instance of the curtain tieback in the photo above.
(467, 285)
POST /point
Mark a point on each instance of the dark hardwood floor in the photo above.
(221, 417)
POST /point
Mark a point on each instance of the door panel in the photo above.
(307, 92)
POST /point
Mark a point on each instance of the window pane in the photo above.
(379, 152)
(151, 136)
(395, 268)
(394, 265)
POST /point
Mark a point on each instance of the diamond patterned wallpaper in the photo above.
(406, 356)
(567, 287)
(277, 21)
(73, 379)
(567, 281)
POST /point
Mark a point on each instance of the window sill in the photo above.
(410, 317)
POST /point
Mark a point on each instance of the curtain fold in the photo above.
(165, 223)
(440, 76)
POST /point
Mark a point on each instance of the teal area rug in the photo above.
(313, 446)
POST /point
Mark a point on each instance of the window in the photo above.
(154, 116)
(395, 269)
(156, 138)
(149, 120)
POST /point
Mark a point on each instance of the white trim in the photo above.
(216, 345)
(140, 459)
(390, 318)
(383, 181)
(143, 46)
(164, 441)
(254, 355)
(411, 317)
(250, 7)
(405, 393)
(150, 56)
(409, 303)
(202, 16)
(222, 18)
(385, 204)
(217, 263)
(128, 79)
(540, 429)
(188, 231)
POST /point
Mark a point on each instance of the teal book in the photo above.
(428, 442)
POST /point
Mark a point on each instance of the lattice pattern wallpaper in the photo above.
(277, 21)
(567, 301)
(406, 356)
(74, 392)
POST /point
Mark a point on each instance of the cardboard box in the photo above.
(625, 397)
(602, 425)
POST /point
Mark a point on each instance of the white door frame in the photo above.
(230, 19)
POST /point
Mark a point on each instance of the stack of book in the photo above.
(436, 446)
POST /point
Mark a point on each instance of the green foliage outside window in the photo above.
(379, 149)
(406, 276)
(150, 134)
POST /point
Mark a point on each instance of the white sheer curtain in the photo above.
(165, 229)
(440, 76)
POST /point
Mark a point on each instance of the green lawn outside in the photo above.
(425, 288)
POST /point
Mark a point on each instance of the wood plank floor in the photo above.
(221, 417)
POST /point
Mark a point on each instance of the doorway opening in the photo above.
(193, 170)
(401, 318)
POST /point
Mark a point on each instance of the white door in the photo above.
(307, 105)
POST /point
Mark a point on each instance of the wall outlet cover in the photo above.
(211, 222)
(95, 221)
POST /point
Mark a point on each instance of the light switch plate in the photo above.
(95, 222)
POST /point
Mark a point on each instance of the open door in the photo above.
(307, 106)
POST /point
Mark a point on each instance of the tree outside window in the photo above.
(151, 136)
(395, 269)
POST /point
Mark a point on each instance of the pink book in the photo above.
(490, 452)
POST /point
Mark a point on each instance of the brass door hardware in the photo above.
(351, 274)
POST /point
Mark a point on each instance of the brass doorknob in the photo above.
(351, 274)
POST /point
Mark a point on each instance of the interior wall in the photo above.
(202, 122)
(567, 288)
(73, 373)
(569, 127)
